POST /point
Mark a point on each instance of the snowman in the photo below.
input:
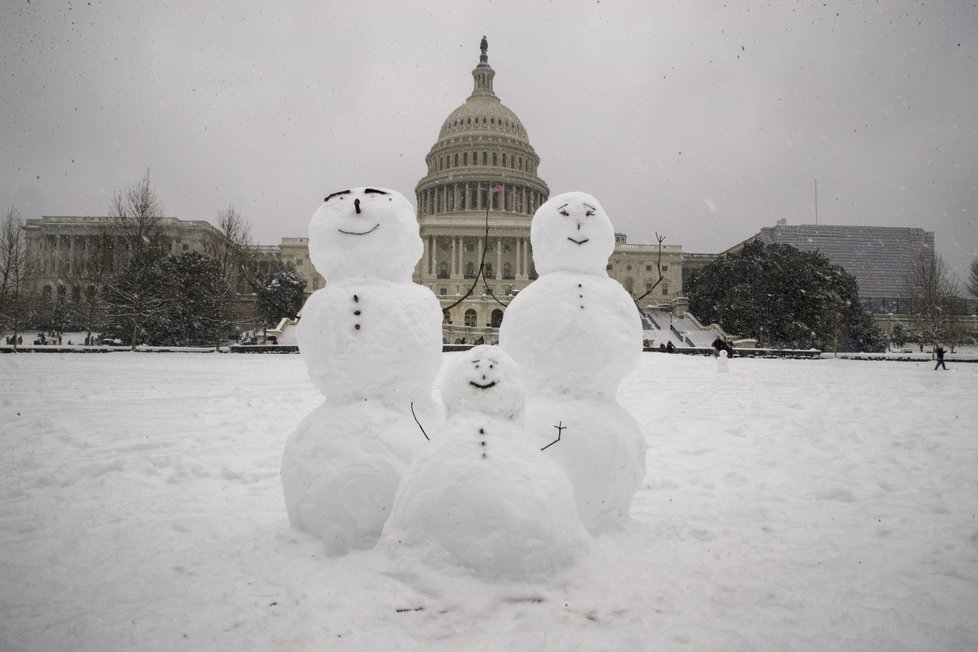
(482, 499)
(371, 340)
(576, 334)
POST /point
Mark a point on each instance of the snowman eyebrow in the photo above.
(591, 207)
(374, 191)
(341, 192)
(559, 207)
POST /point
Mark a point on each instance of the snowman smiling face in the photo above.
(485, 380)
(571, 232)
(365, 232)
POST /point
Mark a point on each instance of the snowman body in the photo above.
(371, 340)
(577, 333)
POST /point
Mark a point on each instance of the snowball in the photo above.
(484, 379)
(341, 470)
(601, 449)
(480, 500)
(571, 232)
(574, 334)
(365, 233)
(363, 339)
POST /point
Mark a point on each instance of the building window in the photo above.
(504, 160)
(507, 270)
(469, 270)
(496, 319)
(315, 282)
(443, 291)
(628, 267)
(665, 268)
(494, 160)
(485, 158)
(648, 268)
(443, 270)
(465, 158)
(470, 317)
(469, 247)
(665, 289)
(456, 160)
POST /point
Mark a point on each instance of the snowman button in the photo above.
(356, 312)
(355, 298)
(356, 326)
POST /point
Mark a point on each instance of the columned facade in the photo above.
(481, 167)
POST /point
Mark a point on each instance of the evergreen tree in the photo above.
(785, 298)
(280, 294)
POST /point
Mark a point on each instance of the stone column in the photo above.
(499, 258)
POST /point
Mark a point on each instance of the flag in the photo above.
(497, 187)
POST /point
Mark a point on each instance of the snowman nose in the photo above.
(356, 204)
(578, 226)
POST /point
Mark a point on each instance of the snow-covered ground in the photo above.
(789, 505)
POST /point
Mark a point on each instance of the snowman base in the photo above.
(601, 449)
(339, 485)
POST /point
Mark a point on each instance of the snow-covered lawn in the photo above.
(789, 505)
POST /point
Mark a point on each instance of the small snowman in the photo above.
(482, 499)
(371, 340)
(576, 333)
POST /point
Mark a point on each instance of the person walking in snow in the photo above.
(940, 357)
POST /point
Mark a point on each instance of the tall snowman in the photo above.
(371, 340)
(482, 499)
(576, 334)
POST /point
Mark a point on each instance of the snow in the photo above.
(576, 333)
(797, 505)
(481, 500)
(371, 342)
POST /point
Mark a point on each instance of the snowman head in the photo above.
(571, 232)
(486, 380)
(365, 233)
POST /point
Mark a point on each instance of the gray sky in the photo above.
(700, 120)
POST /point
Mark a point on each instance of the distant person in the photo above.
(718, 345)
(939, 351)
(728, 347)
(670, 347)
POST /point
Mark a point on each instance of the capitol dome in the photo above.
(481, 144)
(475, 205)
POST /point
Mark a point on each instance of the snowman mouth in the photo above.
(360, 232)
(487, 386)
(578, 242)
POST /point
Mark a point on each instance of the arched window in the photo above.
(504, 159)
(521, 163)
(456, 159)
(507, 270)
(470, 270)
(470, 317)
(46, 293)
(497, 318)
(75, 294)
(487, 269)
(485, 158)
(465, 158)
(62, 293)
(475, 158)
(494, 161)
(443, 270)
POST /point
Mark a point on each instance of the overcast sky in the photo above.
(703, 121)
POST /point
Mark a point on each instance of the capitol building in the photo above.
(474, 209)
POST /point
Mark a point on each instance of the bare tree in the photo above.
(136, 216)
(90, 275)
(932, 291)
(229, 249)
(972, 282)
(16, 274)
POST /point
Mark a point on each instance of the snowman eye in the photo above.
(563, 212)
(589, 213)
